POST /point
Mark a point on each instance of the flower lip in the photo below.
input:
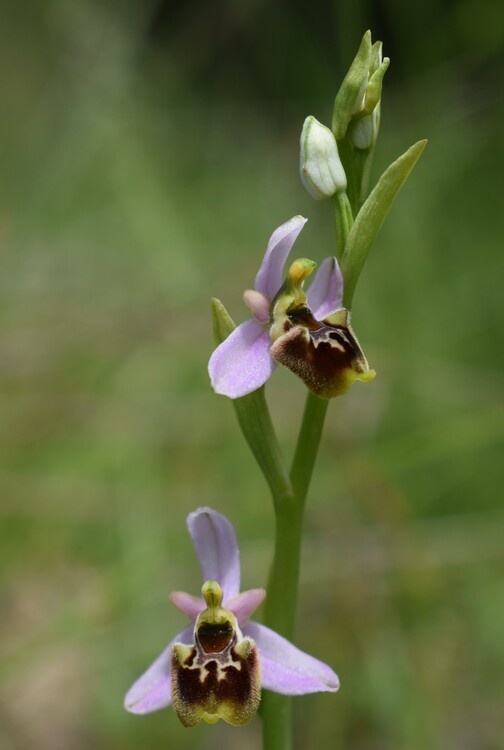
(324, 354)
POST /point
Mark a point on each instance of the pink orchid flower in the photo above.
(243, 362)
(216, 666)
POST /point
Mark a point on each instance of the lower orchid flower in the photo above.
(308, 333)
(215, 668)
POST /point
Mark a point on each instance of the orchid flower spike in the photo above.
(291, 328)
(215, 668)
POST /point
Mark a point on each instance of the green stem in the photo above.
(255, 421)
(308, 445)
(280, 605)
(279, 615)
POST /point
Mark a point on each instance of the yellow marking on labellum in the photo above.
(183, 654)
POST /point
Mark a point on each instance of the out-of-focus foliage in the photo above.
(147, 152)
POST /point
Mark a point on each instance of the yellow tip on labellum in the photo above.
(210, 718)
(365, 377)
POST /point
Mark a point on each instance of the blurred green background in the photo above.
(148, 150)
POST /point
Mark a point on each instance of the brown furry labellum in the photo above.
(219, 676)
(324, 354)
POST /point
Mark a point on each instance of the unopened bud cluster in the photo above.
(357, 105)
(338, 160)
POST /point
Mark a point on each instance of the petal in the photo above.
(215, 543)
(286, 669)
(325, 294)
(152, 691)
(242, 363)
(189, 605)
(258, 304)
(270, 275)
(245, 603)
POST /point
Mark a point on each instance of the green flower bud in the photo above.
(356, 117)
(365, 130)
(360, 92)
(320, 166)
(374, 87)
(350, 98)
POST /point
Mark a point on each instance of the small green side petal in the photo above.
(370, 217)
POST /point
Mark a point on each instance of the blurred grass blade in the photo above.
(371, 216)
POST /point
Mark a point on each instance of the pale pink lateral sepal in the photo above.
(285, 668)
(152, 691)
(242, 363)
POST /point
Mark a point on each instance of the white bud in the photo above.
(321, 170)
(365, 130)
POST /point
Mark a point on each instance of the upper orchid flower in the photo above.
(214, 669)
(291, 327)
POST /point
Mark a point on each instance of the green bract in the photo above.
(370, 217)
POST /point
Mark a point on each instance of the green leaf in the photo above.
(370, 217)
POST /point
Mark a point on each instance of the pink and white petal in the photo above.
(270, 275)
(215, 543)
(245, 603)
(242, 363)
(188, 604)
(258, 304)
(286, 669)
(152, 691)
(325, 294)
